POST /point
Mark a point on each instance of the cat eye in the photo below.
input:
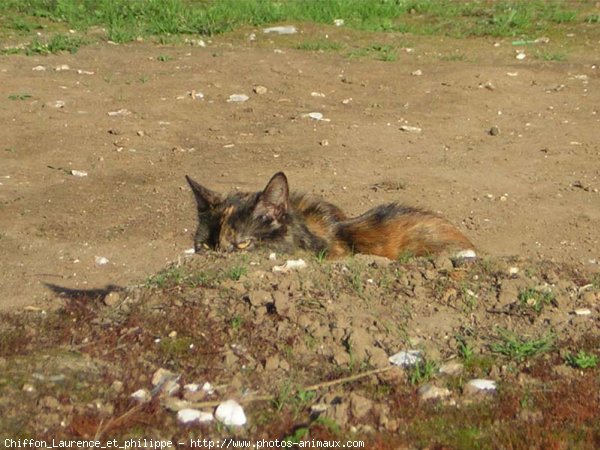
(244, 244)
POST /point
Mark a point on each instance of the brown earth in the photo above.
(528, 189)
(531, 190)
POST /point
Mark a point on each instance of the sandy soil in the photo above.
(532, 189)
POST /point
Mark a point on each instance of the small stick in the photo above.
(313, 387)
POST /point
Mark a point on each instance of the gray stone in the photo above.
(359, 405)
(430, 391)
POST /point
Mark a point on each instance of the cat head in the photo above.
(241, 221)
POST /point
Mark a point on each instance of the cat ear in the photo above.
(273, 202)
(205, 198)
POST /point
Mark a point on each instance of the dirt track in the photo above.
(531, 190)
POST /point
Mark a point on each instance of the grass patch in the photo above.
(57, 43)
(582, 360)
(379, 52)
(22, 96)
(550, 56)
(320, 45)
(535, 299)
(236, 272)
(125, 20)
(422, 372)
(519, 348)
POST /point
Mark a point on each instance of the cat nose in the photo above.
(226, 247)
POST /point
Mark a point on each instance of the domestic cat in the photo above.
(287, 221)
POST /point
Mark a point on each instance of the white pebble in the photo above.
(288, 29)
(469, 253)
(230, 413)
(406, 358)
(141, 396)
(120, 112)
(410, 129)
(291, 264)
(39, 68)
(338, 22)
(101, 260)
(79, 173)
(238, 98)
(482, 385)
(583, 312)
(189, 415)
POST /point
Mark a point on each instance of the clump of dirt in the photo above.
(306, 352)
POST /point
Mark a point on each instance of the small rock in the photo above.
(119, 113)
(359, 340)
(359, 405)
(494, 131)
(57, 104)
(28, 388)
(317, 94)
(117, 386)
(291, 264)
(237, 98)
(443, 263)
(208, 388)
(79, 173)
(410, 129)
(141, 396)
(283, 305)
(406, 358)
(452, 368)
(582, 312)
(62, 67)
(259, 298)
(49, 402)
(324, 143)
(521, 56)
(84, 72)
(466, 254)
(188, 416)
(315, 115)
(112, 298)
(230, 413)
(39, 69)
(288, 29)
(191, 387)
(338, 22)
(417, 73)
(479, 385)
(431, 392)
(101, 260)
(272, 363)
(260, 90)
(161, 376)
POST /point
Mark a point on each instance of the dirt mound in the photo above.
(306, 352)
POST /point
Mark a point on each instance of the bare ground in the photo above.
(526, 194)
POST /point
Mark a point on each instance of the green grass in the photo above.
(57, 43)
(536, 300)
(236, 272)
(21, 96)
(320, 45)
(519, 348)
(125, 20)
(582, 360)
(550, 56)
